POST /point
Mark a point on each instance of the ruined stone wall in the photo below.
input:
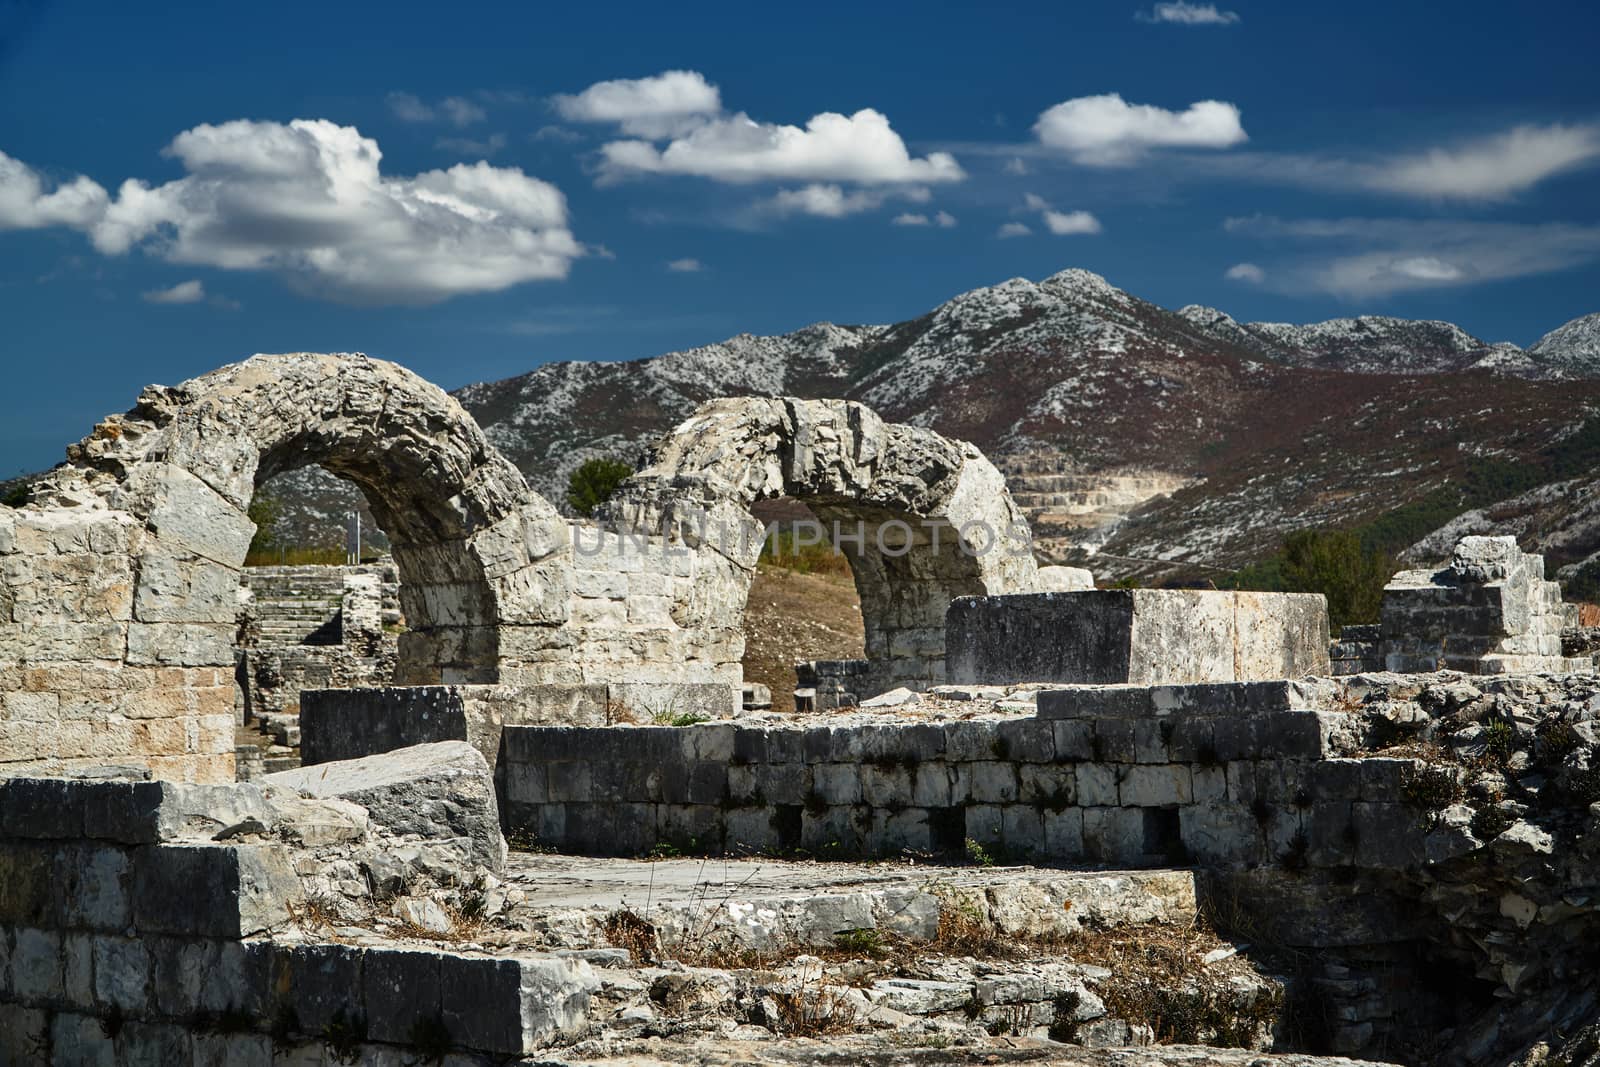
(1228, 775)
(1490, 611)
(127, 936)
(90, 673)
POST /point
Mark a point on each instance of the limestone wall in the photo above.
(1142, 636)
(1223, 776)
(90, 674)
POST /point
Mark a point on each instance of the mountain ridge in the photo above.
(1129, 431)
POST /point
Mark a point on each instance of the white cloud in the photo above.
(658, 106)
(1060, 223)
(1016, 166)
(1066, 223)
(462, 112)
(1360, 258)
(1491, 168)
(1013, 229)
(190, 292)
(26, 205)
(942, 219)
(1245, 272)
(407, 107)
(825, 201)
(1108, 131)
(1186, 14)
(859, 148)
(307, 200)
(686, 266)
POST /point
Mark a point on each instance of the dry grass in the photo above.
(1160, 978)
(812, 1011)
(625, 929)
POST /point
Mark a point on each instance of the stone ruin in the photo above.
(1131, 827)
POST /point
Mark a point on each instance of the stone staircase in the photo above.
(295, 605)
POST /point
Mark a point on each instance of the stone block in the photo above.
(318, 983)
(400, 988)
(1063, 833)
(28, 873)
(436, 792)
(1047, 785)
(1141, 636)
(93, 883)
(77, 959)
(122, 974)
(932, 785)
(37, 966)
(1225, 835)
(1022, 829)
(41, 808)
(212, 890)
(1156, 785)
(83, 1038)
(1113, 835)
(1150, 740)
(514, 1005)
(987, 782)
(1074, 740)
(837, 783)
(1097, 784)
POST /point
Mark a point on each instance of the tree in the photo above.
(1334, 563)
(593, 483)
(265, 511)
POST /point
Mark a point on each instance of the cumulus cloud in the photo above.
(658, 106)
(859, 148)
(1013, 229)
(1360, 257)
(1108, 131)
(1066, 223)
(1186, 14)
(1245, 272)
(676, 125)
(1060, 223)
(307, 200)
(190, 292)
(29, 202)
(686, 266)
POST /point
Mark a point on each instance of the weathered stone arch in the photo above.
(129, 559)
(893, 484)
(464, 525)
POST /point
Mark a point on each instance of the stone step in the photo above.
(789, 901)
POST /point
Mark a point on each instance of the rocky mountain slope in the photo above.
(1166, 441)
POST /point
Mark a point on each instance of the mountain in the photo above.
(1163, 442)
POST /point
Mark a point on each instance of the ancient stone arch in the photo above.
(128, 561)
(922, 518)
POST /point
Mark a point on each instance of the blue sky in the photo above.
(614, 181)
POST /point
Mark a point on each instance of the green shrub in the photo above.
(593, 482)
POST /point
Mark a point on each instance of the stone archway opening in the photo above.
(921, 519)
